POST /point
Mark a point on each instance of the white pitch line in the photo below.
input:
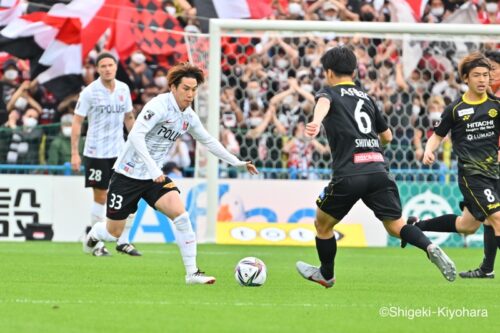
(145, 302)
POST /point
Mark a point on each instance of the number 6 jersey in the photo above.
(352, 126)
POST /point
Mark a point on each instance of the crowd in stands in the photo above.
(268, 87)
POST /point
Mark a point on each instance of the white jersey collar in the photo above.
(99, 81)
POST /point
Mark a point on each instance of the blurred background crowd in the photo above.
(268, 86)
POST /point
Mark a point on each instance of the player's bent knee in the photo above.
(394, 227)
(323, 228)
(467, 227)
(468, 230)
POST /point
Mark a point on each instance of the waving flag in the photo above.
(56, 41)
(10, 10)
(146, 26)
(255, 9)
(417, 7)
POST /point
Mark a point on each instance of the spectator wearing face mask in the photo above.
(48, 103)
(299, 151)
(288, 103)
(60, 147)
(295, 10)
(333, 10)
(170, 8)
(488, 11)
(21, 99)
(160, 79)
(424, 125)
(330, 12)
(284, 57)
(435, 12)
(26, 143)
(448, 87)
(231, 114)
(312, 53)
(139, 72)
(192, 26)
(8, 85)
(253, 94)
(253, 70)
(368, 13)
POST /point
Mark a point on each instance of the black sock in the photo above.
(413, 235)
(443, 223)
(490, 249)
(498, 241)
(327, 249)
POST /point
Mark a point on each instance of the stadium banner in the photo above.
(300, 234)
(251, 211)
(427, 200)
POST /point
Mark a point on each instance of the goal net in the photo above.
(262, 80)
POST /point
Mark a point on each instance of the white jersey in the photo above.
(157, 127)
(105, 111)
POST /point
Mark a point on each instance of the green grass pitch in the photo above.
(54, 287)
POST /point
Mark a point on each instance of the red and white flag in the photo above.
(56, 41)
(254, 9)
(418, 7)
(11, 9)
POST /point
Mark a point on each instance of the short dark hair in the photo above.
(471, 61)
(104, 55)
(179, 71)
(493, 56)
(340, 60)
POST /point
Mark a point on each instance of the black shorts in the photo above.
(378, 191)
(124, 193)
(98, 172)
(481, 195)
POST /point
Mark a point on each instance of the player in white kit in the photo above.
(107, 104)
(138, 171)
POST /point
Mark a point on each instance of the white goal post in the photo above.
(219, 27)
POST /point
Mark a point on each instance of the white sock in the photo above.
(98, 213)
(186, 240)
(100, 232)
(124, 238)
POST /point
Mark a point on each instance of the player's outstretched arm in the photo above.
(320, 111)
(430, 148)
(201, 135)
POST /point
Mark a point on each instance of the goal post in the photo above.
(229, 27)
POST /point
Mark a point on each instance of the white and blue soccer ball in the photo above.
(250, 272)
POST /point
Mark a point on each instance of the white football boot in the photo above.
(442, 261)
(312, 273)
(199, 277)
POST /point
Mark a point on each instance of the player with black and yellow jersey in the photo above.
(474, 122)
(356, 130)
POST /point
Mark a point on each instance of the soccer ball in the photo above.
(250, 272)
